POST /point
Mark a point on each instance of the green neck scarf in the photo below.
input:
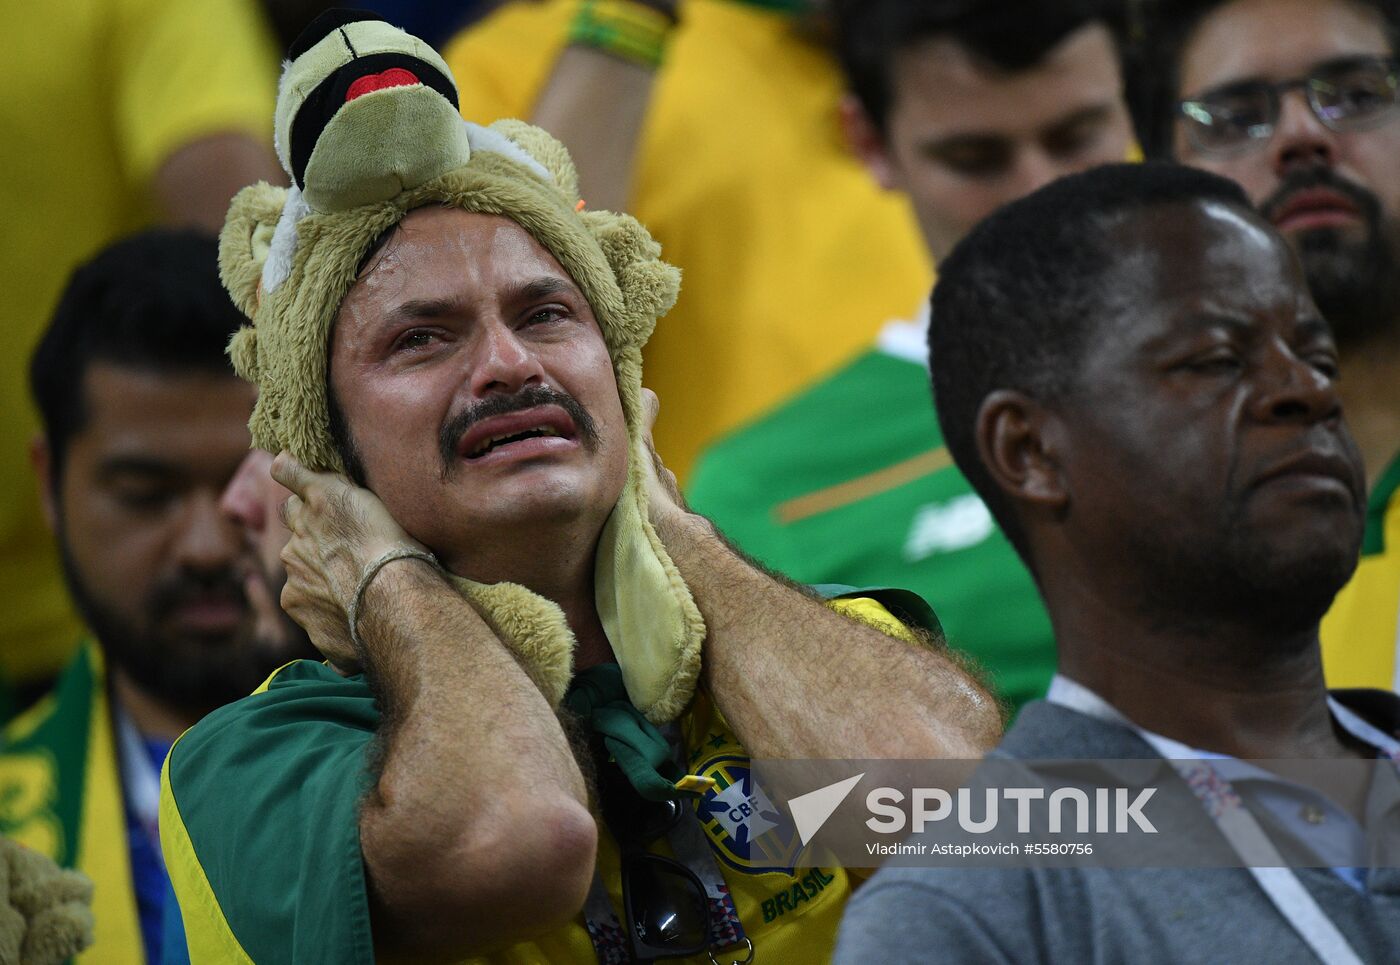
(599, 696)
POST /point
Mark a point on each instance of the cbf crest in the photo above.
(736, 811)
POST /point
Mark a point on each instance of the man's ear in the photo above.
(1019, 446)
(41, 458)
(867, 142)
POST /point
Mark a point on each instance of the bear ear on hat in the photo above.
(246, 240)
(546, 150)
(649, 285)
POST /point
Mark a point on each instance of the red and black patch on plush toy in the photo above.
(362, 75)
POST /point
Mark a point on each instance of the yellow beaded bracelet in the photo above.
(625, 29)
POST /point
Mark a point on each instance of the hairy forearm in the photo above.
(795, 679)
(596, 104)
(477, 830)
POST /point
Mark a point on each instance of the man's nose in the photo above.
(240, 502)
(208, 539)
(503, 361)
(1294, 389)
(1035, 168)
(1300, 140)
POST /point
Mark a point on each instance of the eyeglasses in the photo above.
(1353, 94)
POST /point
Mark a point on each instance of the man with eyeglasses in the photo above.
(1297, 101)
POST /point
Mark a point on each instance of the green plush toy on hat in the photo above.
(367, 128)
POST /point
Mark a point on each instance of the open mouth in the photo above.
(496, 442)
(535, 431)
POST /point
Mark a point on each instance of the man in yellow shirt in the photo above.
(117, 114)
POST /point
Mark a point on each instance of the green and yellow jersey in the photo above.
(259, 825)
(849, 482)
(1361, 633)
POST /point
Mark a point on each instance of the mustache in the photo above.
(188, 586)
(1322, 177)
(530, 397)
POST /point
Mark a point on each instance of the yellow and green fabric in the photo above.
(60, 794)
(259, 825)
(1361, 633)
(849, 482)
(98, 95)
(791, 255)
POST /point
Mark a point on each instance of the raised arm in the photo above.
(596, 103)
(476, 831)
(796, 679)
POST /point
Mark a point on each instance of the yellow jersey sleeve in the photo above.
(873, 614)
(182, 71)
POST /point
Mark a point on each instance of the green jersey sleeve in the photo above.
(259, 822)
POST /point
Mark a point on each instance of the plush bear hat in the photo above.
(367, 128)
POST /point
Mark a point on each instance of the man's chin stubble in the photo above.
(1356, 284)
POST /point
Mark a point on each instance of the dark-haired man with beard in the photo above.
(144, 425)
(1297, 101)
